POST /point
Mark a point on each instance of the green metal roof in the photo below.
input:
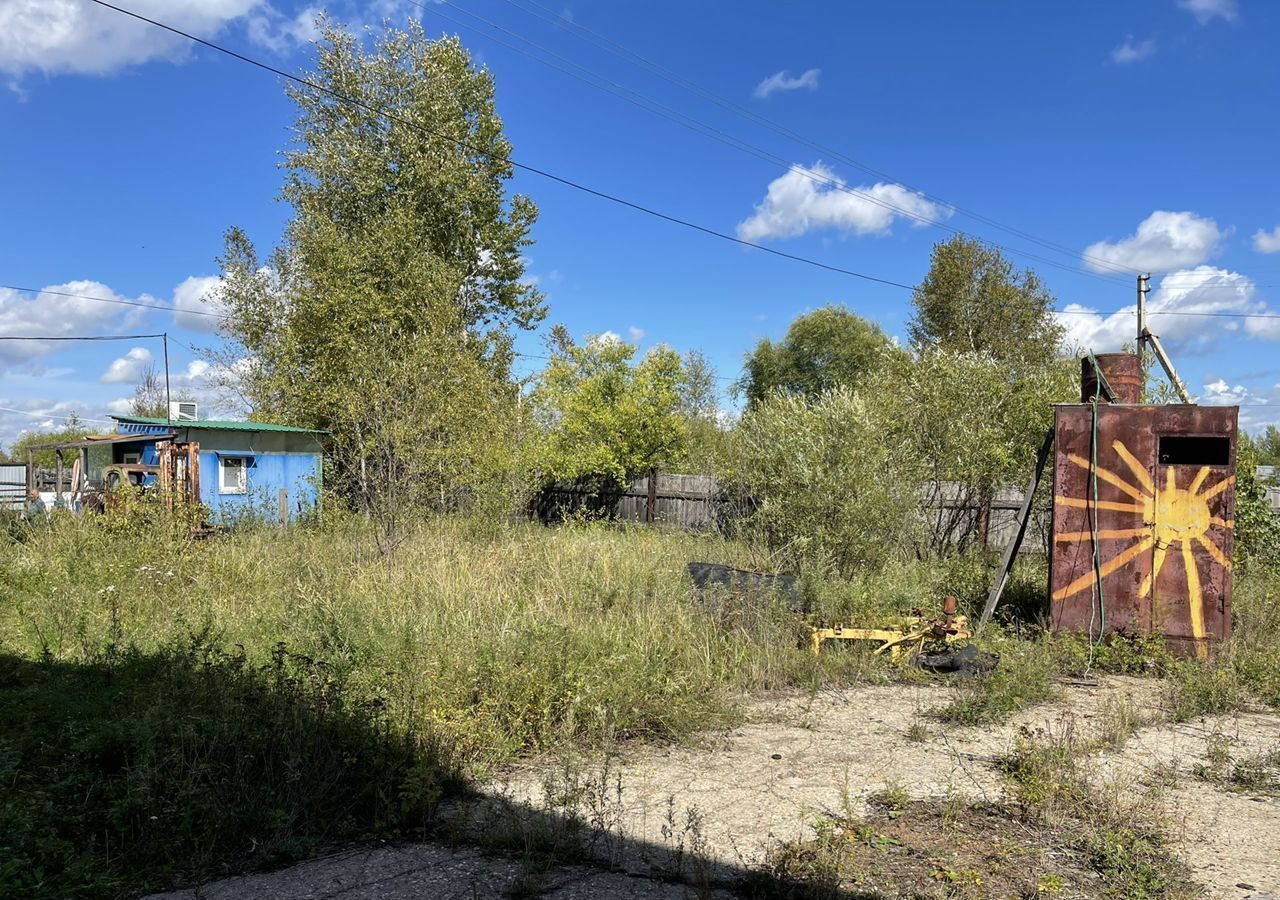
(216, 424)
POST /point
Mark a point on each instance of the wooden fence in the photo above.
(695, 502)
(685, 501)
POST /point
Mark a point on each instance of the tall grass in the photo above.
(506, 644)
(168, 706)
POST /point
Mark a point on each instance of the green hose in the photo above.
(1093, 474)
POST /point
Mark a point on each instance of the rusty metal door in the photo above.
(1126, 454)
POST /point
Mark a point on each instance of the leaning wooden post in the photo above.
(84, 471)
(1024, 515)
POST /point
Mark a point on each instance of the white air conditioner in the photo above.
(183, 411)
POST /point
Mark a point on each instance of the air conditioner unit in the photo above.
(183, 411)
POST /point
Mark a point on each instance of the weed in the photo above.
(1204, 688)
(1115, 831)
(1025, 676)
(1258, 774)
(1118, 719)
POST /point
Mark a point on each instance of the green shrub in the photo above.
(821, 485)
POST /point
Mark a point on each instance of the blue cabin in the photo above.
(243, 466)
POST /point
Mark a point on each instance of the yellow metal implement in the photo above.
(913, 632)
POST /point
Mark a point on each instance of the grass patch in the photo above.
(139, 770)
(265, 693)
(949, 849)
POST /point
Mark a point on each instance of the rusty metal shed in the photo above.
(1160, 513)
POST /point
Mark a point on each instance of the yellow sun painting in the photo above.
(1165, 517)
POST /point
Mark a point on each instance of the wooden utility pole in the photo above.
(1144, 288)
(1144, 334)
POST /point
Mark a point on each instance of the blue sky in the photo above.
(1125, 136)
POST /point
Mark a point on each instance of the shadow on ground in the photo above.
(149, 771)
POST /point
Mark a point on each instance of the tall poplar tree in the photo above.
(386, 313)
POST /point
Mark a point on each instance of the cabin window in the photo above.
(130, 459)
(231, 475)
(1194, 451)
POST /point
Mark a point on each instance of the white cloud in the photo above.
(1132, 52)
(54, 315)
(127, 369)
(1259, 407)
(193, 304)
(1164, 241)
(607, 337)
(1267, 241)
(807, 199)
(1204, 289)
(76, 36)
(785, 81)
(278, 33)
(636, 335)
(201, 381)
(1220, 393)
(1206, 10)
(21, 416)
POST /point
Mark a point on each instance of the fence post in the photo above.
(651, 505)
(32, 487)
(284, 508)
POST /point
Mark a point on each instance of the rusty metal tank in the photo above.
(1122, 371)
(1162, 521)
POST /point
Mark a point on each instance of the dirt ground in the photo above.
(704, 815)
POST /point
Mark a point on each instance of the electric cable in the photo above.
(664, 111)
(497, 157)
(618, 49)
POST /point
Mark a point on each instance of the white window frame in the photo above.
(225, 463)
(130, 459)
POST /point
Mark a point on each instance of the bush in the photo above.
(821, 485)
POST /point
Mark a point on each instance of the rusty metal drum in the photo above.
(1123, 372)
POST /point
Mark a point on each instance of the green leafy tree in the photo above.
(973, 300)
(400, 274)
(1267, 447)
(989, 329)
(700, 407)
(826, 348)
(606, 418)
(72, 430)
(1257, 529)
(973, 427)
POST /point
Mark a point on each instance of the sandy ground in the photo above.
(736, 795)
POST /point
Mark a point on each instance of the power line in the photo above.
(1062, 312)
(36, 415)
(664, 111)
(137, 303)
(495, 156)
(91, 337)
(618, 49)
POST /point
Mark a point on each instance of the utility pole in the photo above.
(1144, 287)
(1145, 335)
